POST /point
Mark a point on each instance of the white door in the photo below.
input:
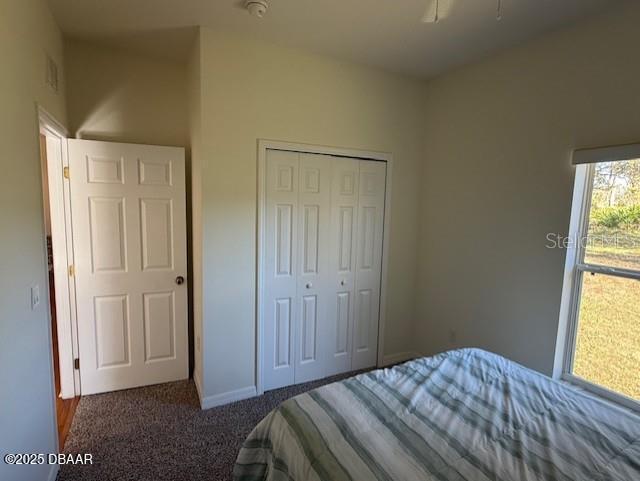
(343, 230)
(297, 216)
(314, 213)
(129, 243)
(279, 302)
(371, 198)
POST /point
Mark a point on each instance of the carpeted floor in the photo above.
(159, 433)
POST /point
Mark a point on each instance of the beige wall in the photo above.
(255, 91)
(498, 178)
(27, 418)
(117, 96)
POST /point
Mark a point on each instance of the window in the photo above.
(601, 295)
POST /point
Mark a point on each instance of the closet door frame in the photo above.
(263, 147)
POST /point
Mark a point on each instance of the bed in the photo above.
(461, 415)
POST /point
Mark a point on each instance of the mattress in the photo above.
(461, 415)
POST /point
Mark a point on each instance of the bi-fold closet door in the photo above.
(323, 229)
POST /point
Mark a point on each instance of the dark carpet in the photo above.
(159, 433)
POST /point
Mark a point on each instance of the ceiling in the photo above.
(382, 33)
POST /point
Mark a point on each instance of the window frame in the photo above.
(575, 269)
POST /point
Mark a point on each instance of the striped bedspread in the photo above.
(460, 415)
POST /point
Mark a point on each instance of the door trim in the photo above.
(62, 246)
(263, 146)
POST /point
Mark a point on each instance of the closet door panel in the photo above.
(344, 228)
(372, 185)
(314, 180)
(280, 303)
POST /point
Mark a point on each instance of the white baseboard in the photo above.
(228, 397)
(399, 357)
(53, 472)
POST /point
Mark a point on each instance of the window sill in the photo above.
(602, 393)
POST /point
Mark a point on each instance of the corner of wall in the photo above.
(194, 93)
(399, 357)
(418, 319)
(209, 402)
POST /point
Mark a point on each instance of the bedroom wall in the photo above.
(251, 90)
(27, 417)
(498, 178)
(119, 96)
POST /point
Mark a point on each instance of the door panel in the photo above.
(129, 237)
(107, 234)
(279, 277)
(156, 216)
(343, 317)
(155, 171)
(284, 237)
(103, 170)
(312, 273)
(112, 321)
(309, 329)
(367, 237)
(344, 206)
(283, 338)
(369, 265)
(363, 322)
(311, 225)
(346, 227)
(159, 326)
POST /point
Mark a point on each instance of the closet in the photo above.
(321, 265)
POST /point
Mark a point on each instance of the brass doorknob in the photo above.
(179, 280)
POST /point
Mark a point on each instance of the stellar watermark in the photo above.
(613, 241)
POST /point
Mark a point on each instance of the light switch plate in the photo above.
(35, 296)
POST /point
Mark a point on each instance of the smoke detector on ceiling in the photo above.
(440, 9)
(257, 8)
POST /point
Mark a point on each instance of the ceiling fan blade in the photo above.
(437, 10)
(430, 12)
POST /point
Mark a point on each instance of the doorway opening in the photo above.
(115, 223)
(52, 140)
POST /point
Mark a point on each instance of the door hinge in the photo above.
(76, 363)
(71, 271)
(65, 172)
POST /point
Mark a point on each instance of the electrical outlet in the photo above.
(35, 296)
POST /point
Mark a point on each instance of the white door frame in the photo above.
(62, 246)
(263, 146)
